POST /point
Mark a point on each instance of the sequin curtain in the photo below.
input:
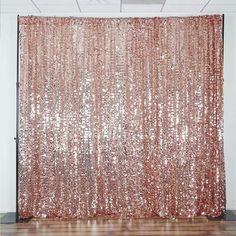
(121, 117)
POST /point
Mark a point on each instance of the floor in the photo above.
(158, 226)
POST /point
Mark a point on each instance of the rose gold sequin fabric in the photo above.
(121, 117)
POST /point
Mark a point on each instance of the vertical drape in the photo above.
(121, 117)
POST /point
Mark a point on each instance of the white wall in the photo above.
(230, 109)
(7, 111)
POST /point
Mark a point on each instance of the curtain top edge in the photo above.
(33, 19)
(118, 18)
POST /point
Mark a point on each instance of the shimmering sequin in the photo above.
(121, 117)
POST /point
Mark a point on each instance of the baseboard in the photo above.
(12, 218)
(229, 215)
(9, 218)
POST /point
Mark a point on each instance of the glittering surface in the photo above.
(121, 117)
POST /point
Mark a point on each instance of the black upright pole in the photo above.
(223, 33)
(17, 116)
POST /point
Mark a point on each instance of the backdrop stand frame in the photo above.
(13, 217)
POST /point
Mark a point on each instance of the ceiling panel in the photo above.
(54, 2)
(15, 2)
(141, 7)
(18, 9)
(223, 2)
(58, 8)
(99, 5)
(53, 6)
(220, 8)
(146, 2)
(182, 8)
(186, 2)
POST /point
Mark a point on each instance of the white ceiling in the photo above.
(116, 6)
